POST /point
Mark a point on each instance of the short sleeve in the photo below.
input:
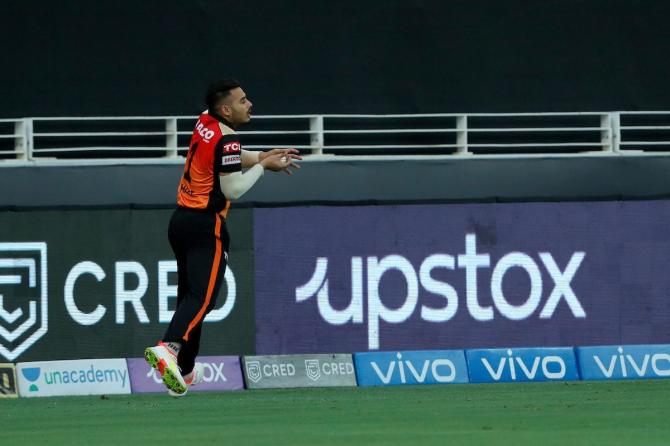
(228, 154)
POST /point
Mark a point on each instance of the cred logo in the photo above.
(23, 296)
(472, 262)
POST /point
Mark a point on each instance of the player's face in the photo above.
(237, 108)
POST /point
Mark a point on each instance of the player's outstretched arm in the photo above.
(234, 185)
(251, 157)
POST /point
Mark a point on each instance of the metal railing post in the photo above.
(616, 131)
(316, 137)
(171, 139)
(462, 135)
(606, 132)
(29, 139)
(20, 140)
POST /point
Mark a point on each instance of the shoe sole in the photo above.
(169, 378)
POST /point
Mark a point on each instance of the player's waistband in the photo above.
(203, 211)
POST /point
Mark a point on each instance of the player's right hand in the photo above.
(282, 160)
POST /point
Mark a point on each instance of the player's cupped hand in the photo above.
(281, 160)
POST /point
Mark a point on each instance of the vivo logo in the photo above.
(625, 365)
(551, 367)
(441, 370)
(542, 296)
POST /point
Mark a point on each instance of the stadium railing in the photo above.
(500, 134)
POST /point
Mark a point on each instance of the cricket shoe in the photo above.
(164, 360)
(191, 379)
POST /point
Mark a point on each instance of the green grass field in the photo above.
(578, 413)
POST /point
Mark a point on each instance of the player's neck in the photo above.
(223, 120)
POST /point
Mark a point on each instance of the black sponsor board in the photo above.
(102, 283)
(8, 388)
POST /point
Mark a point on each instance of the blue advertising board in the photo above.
(410, 367)
(624, 362)
(522, 365)
(458, 276)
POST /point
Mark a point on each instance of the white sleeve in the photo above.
(234, 185)
(249, 157)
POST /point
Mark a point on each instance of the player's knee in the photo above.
(211, 305)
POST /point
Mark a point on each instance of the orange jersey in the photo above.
(215, 148)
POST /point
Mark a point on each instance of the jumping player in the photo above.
(198, 236)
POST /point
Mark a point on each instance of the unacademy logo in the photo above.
(73, 376)
(32, 374)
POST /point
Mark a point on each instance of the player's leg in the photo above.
(189, 351)
(163, 357)
(206, 265)
(192, 372)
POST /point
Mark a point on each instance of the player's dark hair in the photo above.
(218, 91)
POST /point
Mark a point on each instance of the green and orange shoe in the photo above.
(194, 378)
(164, 361)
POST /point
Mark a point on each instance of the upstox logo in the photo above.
(213, 372)
(624, 362)
(23, 296)
(541, 302)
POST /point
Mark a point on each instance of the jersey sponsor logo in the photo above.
(185, 189)
(207, 134)
(232, 147)
(230, 159)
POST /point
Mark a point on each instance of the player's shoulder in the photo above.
(211, 128)
(220, 129)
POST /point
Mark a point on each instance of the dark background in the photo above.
(156, 57)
